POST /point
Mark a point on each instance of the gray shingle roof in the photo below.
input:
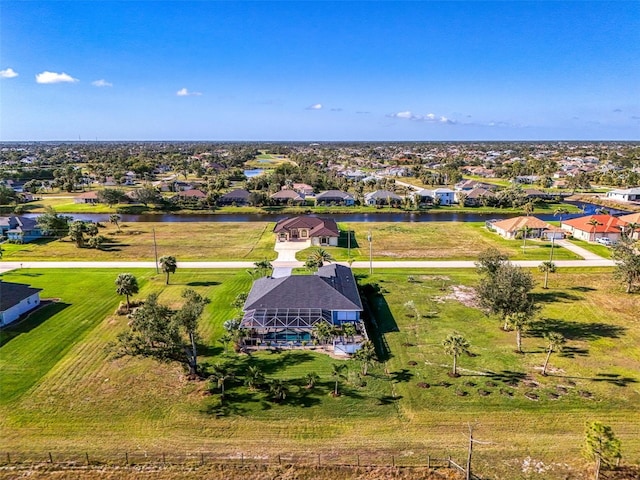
(333, 287)
(13, 293)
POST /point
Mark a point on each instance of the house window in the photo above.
(304, 233)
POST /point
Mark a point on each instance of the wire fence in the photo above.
(131, 458)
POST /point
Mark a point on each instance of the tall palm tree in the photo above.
(168, 264)
(519, 321)
(631, 228)
(547, 268)
(525, 231)
(555, 341)
(455, 345)
(559, 212)
(528, 208)
(594, 223)
(349, 330)
(336, 373)
(127, 285)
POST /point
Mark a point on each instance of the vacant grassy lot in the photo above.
(61, 392)
(433, 240)
(186, 241)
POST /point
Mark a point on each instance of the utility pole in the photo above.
(553, 240)
(370, 239)
(155, 249)
(349, 243)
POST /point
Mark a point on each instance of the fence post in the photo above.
(50, 458)
(164, 459)
(279, 460)
(358, 460)
(242, 458)
(449, 461)
(318, 459)
(8, 457)
(126, 458)
(86, 455)
(393, 460)
(201, 458)
(428, 461)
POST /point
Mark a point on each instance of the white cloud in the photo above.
(8, 73)
(183, 92)
(52, 77)
(429, 117)
(315, 106)
(101, 83)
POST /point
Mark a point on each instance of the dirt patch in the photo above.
(463, 294)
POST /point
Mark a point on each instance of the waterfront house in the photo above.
(382, 197)
(320, 231)
(592, 227)
(284, 197)
(87, 197)
(235, 197)
(514, 227)
(335, 197)
(19, 229)
(632, 220)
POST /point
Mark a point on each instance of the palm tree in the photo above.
(594, 223)
(254, 377)
(320, 256)
(336, 373)
(168, 265)
(127, 285)
(631, 228)
(455, 345)
(559, 212)
(547, 268)
(528, 208)
(349, 330)
(115, 218)
(311, 378)
(263, 267)
(322, 331)
(556, 341)
(278, 390)
(519, 321)
(220, 375)
(366, 355)
(525, 231)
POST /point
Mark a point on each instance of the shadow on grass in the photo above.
(203, 284)
(343, 241)
(403, 375)
(381, 319)
(508, 377)
(576, 330)
(583, 289)
(554, 297)
(611, 378)
(31, 321)
(388, 399)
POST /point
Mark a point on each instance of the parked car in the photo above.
(604, 241)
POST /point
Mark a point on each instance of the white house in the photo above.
(16, 299)
(441, 196)
(627, 195)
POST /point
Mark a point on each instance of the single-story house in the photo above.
(194, 194)
(287, 196)
(535, 194)
(15, 300)
(441, 196)
(19, 229)
(382, 197)
(476, 197)
(625, 195)
(511, 227)
(303, 189)
(468, 185)
(591, 227)
(321, 231)
(632, 219)
(87, 197)
(235, 197)
(282, 310)
(335, 197)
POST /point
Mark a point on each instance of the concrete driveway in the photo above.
(283, 265)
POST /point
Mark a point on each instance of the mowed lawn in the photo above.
(433, 241)
(61, 392)
(187, 241)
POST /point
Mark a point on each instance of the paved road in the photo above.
(6, 266)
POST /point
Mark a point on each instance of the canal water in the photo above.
(379, 216)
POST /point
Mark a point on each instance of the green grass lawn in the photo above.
(601, 250)
(188, 241)
(62, 392)
(433, 241)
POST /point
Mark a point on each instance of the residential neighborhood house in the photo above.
(320, 231)
(283, 310)
(335, 197)
(625, 195)
(15, 300)
(516, 226)
(592, 227)
(19, 229)
(382, 197)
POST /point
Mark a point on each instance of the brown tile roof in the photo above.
(631, 218)
(516, 223)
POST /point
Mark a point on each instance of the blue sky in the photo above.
(317, 71)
